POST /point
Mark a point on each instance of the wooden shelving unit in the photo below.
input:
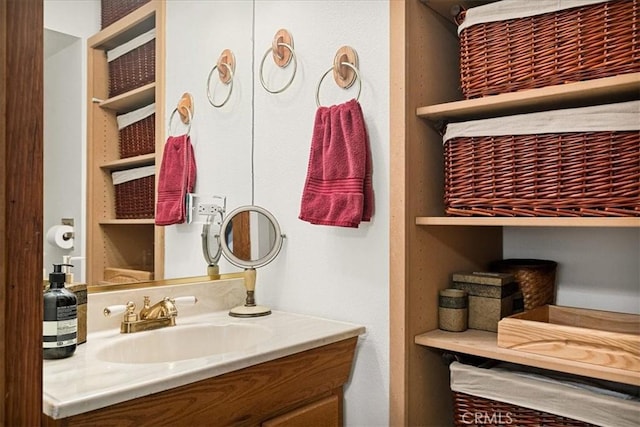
(484, 344)
(425, 245)
(608, 89)
(529, 222)
(112, 242)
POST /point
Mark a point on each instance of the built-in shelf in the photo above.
(608, 89)
(484, 344)
(131, 100)
(531, 221)
(144, 160)
(144, 221)
(132, 25)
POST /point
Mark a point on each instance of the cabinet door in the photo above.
(322, 413)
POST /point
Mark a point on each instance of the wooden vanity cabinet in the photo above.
(303, 389)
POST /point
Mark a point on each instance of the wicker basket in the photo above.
(471, 410)
(113, 10)
(573, 162)
(570, 45)
(135, 198)
(536, 278)
(138, 138)
(136, 132)
(133, 69)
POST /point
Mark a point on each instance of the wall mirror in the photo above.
(250, 237)
(65, 139)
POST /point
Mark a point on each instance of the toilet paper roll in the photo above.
(61, 236)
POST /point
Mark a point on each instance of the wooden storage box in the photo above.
(137, 132)
(134, 190)
(572, 162)
(528, 45)
(126, 275)
(582, 335)
(133, 64)
(490, 297)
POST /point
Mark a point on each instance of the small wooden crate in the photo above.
(126, 275)
(590, 336)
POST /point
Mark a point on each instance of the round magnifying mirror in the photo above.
(211, 248)
(250, 237)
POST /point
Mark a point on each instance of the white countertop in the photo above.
(83, 383)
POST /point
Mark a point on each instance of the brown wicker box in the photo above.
(135, 198)
(113, 10)
(133, 69)
(548, 174)
(469, 410)
(136, 135)
(570, 45)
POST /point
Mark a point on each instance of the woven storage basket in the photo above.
(135, 198)
(536, 278)
(581, 43)
(113, 10)
(468, 409)
(136, 135)
(551, 173)
(133, 69)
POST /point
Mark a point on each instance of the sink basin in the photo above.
(183, 342)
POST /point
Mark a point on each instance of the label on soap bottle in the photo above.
(62, 332)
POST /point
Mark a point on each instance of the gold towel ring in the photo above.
(175, 110)
(357, 77)
(228, 61)
(281, 57)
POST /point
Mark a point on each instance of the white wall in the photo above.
(598, 268)
(67, 23)
(326, 271)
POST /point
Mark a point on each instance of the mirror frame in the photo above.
(260, 262)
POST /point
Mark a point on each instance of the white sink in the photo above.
(183, 342)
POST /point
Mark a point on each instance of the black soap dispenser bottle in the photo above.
(60, 321)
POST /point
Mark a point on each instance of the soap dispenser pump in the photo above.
(60, 321)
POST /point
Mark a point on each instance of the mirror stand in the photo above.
(250, 309)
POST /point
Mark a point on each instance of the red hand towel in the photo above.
(338, 189)
(177, 178)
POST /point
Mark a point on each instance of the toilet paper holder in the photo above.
(69, 222)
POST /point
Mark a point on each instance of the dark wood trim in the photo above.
(21, 148)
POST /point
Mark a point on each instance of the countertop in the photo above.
(83, 383)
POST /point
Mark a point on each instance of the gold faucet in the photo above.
(160, 315)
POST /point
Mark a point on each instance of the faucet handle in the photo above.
(188, 300)
(129, 316)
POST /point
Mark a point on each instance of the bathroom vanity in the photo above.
(210, 369)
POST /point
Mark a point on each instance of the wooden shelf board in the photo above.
(144, 160)
(145, 221)
(531, 221)
(132, 25)
(484, 344)
(626, 86)
(131, 100)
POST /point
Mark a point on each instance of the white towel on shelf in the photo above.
(127, 47)
(132, 117)
(512, 9)
(120, 177)
(622, 116)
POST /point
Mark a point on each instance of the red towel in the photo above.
(338, 189)
(177, 178)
